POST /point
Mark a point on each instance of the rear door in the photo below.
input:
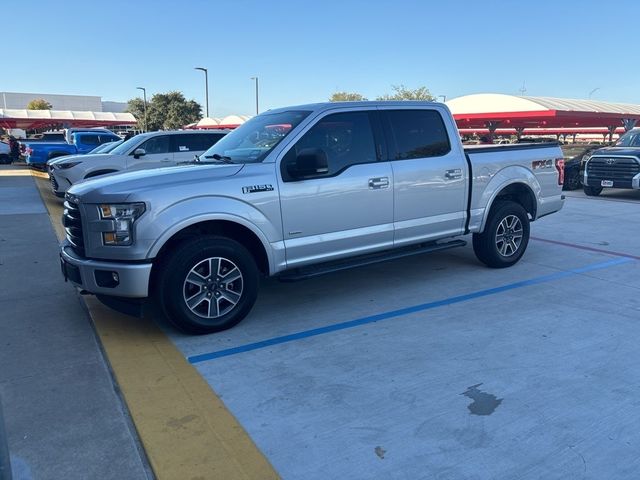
(429, 172)
(347, 210)
(157, 154)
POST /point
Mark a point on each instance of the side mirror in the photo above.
(308, 163)
(139, 152)
(196, 158)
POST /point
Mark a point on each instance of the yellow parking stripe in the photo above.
(186, 430)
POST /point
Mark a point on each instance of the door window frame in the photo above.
(380, 147)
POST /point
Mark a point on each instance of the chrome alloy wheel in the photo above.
(509, 235)
(213, 287)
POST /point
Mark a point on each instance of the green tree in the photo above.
(403, 93)
(346, 97)
(39, 104)
(165, 111)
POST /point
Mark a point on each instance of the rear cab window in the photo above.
(87, 139)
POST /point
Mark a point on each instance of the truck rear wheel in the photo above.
(505, 237)
(207, 284)
(592, 191)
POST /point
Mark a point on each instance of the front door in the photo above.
(157, 153)
(345, 211)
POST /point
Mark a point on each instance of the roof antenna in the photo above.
(523, 89)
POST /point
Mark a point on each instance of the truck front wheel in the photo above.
(207, 284)
(505, 237)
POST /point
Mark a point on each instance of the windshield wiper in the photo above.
(220, 158)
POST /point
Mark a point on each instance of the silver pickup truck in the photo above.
(298, 192)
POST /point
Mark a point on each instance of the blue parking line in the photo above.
(401, 312)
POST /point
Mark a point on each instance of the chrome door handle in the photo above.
(453, 174)
(380, 182)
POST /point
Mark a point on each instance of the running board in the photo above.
(311, 271)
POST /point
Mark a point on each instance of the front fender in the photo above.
(482, 203)
(163, 225)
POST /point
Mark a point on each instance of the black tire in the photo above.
(572, 181)
(191, 258)
(592, 191)
(496, 253)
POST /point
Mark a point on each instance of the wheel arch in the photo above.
(516, 191)
(244, 235)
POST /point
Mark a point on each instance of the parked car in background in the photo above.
(575, 158)
(37, 154)
(4, 153)
(147, 150)
(298, 192)
(617, 166)
(69, 132)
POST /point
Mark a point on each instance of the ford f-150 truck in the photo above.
(298, 192)
(617, 166)
(38, 153)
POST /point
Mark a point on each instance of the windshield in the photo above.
(254, 139)
(124, 147)
(629, 139)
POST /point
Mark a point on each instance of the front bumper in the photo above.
(634, 183)
(59, 184)
(133, 278)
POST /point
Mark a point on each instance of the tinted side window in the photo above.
(417, 134)
(156, 145)
(106, 139)
(194, 142)
(346, 138)
(89, 139)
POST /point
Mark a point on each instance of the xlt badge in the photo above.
(257, 188)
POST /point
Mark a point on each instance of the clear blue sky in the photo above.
(304, 50)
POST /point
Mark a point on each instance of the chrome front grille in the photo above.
(72, 222)
(54, 183)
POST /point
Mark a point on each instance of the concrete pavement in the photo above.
(64, 417)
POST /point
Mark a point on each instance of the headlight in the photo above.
(124, 216)
(64, 166)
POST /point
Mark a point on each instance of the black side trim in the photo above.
(508, 148)
(311, 271)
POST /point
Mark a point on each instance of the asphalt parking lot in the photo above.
(432, 367)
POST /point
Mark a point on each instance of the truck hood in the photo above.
(118, 187)
(613, 151)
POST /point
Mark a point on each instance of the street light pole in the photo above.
(256, 79)
(593, 91)
(144, 93)
(444, 98)
(206, 87)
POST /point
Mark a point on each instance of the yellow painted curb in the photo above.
(186, 430)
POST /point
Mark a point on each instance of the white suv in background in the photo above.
(147, 150)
